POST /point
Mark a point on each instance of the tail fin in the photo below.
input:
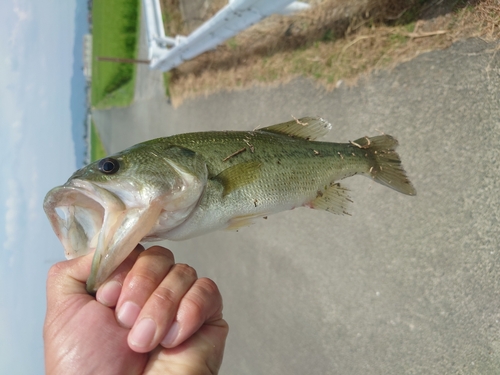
(386, 169)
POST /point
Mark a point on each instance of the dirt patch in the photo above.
(335, 41)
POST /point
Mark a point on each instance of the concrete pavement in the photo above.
(406, 285)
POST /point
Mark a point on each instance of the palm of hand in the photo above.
(104, 350)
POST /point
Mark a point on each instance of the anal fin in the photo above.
(334, 199)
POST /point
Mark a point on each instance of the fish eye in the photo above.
(109, 165)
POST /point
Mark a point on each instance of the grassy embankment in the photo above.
(333, 42)
(115, 26)
(115, 30)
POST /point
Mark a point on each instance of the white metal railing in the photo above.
(166, 53)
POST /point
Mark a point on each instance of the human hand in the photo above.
(166, 320)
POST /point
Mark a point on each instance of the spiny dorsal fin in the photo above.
(309, 128)
(239, 175)
(334, 199)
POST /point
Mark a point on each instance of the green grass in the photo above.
(115, 32)
(97, 150)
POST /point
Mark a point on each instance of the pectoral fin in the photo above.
(243, 221)
(239, 175)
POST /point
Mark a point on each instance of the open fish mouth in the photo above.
(87, 218)
(76, 212)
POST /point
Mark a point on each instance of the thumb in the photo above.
(69, 277)
(65, 280)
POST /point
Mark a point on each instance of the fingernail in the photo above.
(143, 333)
(108, 294)
(171, 335)
(128, 313)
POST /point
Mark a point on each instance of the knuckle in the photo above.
(185, 271)
(55, 270)
(171, 292)
(165, 295)
(209, 287)
(159, 251)
(204, 300)
(195, 305)
(143, 280)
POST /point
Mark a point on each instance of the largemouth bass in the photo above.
(189, 184)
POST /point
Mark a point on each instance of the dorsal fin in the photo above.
(239, 175)
(309, 128)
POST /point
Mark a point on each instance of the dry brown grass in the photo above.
(172, 17)
(334, 40)
(176, 24)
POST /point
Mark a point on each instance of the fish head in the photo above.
(110, 205)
